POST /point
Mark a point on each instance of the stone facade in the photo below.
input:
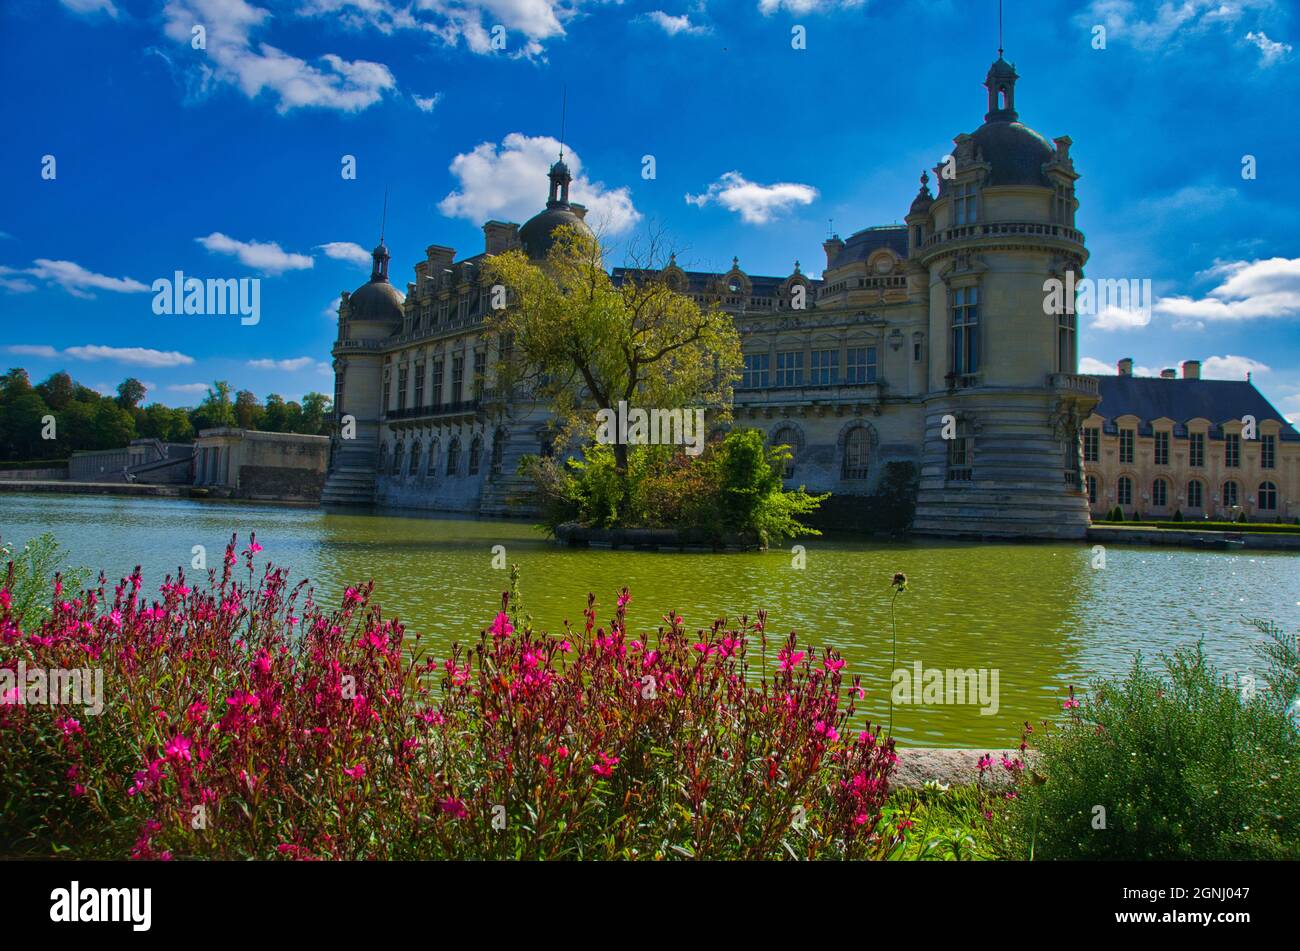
(248, 464)
(925, 342)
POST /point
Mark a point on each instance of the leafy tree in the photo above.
(216, 409)
(21, 424)
(248, 411)
(275, 416)
(58, 390)
(581, 342)
(315, 414)
(129, 393)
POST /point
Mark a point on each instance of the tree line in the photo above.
(86, 419)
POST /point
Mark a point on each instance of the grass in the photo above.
(1280, 528)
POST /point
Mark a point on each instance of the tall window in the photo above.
(1091, 444)
(475, 454)
(457, 378)
(857, 446)
(431, 468)
(1126, 440)
(1092, 490)
(860, 365)
(1065, 338)
(1267, 452)
(480, 369)
(498, 450)
(444, 306)
(1063, 205)
(1196, 449)
(825, 368)
(388, 379)
(785, 436)
(453, 455)
(415, 458)
(1232, 450)
(1231, 496)
(1124, 491)
(961, 454)
(1195, 494)
(437, 382)
(1160, 493)
(419, 384)
(965, 330)
(1162, 447)
(964, 204)
(426, 315)
(789, 368)
(1267, 497)
(397, 458)
(402, 374)
(757, 366)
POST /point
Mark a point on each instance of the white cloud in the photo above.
(1231, 367)
(347, 251)
(72, 277)
(193, 388)
(132, 356)
(768, 7)
(756, 204)
(1270, 51)
(427, 104)
(509, 181)
(1147, 25)
(1248, 290)
(1120, 318)
(267, 257)
(233, 57)
(91, 6)
(291, 365)
(673, 25)
(33, 350)
(1091, 365)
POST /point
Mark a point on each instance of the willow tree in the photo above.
(582, 342)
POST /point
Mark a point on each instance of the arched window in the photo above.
(498, 449)
(397, 459)
(961, 454)
(453, 455)
(857, 449)
(431, 467)
(383, 457)
(787, 436)
(1159, 493)
(1195, 494)
(1267, 497)
(1092, 490)
(415, 458)
(1124, 491)
(1231, 495)
(475, 454)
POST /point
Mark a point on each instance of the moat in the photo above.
(1039, 614)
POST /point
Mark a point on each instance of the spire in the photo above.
(379, 256)
(559, 174)
(999, 29)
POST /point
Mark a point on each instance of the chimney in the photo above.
(832, 246)
(1191, 369)
(1168, 373)
(500, 236)
(1126, 366)
(439, 258)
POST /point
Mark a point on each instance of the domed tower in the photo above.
(536, 235)
(1004, 401)
(367, 316)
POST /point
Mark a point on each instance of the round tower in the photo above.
(1004, 401)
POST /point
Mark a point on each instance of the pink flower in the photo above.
(253, 546)
(501, 626)
(624, 598)
(454, 807)
(788, 659)
(6, 601)
(69, 726)
(356, 772)
(834, 665)
(605, 768)
(1070, 704)
(178, 748)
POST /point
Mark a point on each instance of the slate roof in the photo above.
(699, 282)
(861, 244)
(1151, 398)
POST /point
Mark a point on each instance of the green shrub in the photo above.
(34, 568)
(1183, 766)
(1178, 515)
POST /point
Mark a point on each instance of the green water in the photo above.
(1038, 614)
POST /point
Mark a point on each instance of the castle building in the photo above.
(924, 343)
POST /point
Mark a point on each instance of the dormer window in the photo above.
(734, 285)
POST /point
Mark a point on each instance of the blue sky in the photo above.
(225, 161)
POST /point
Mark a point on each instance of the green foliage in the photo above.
(1178, 515)
(956, 824)
(27, 575)
(732, 489)
(1184, 767)
(1281, 528)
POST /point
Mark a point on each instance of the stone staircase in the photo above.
(351, 479)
